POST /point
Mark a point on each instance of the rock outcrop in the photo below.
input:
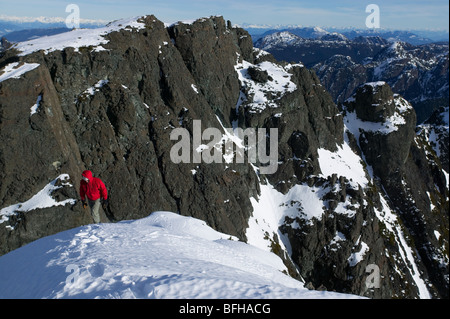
(411, 176)
(111, 111)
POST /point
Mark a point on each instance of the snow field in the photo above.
(77, 38)
(281, 83)
(343, 162)
(14, 71)
(390, 220)
(162, 256)
(43, 199)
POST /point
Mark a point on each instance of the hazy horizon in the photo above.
(394, 14)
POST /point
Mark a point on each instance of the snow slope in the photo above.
(78, 38)
(15, 71)
(436, 131)
(279, 84)
(43, 199)
(162, 256)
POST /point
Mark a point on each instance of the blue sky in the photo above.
(394, 14)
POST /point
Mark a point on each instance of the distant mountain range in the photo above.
(7, 26)
(413, 36)
(418, 72)
(23, 30)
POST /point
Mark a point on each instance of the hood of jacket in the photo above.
(87, 174)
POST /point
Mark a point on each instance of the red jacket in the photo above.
(94, 189)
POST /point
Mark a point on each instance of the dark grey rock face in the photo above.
(413, 177)
(121, 131)
(375, 103)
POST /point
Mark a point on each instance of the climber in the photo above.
(94, 191)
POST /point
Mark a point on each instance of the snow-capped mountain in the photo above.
(405, 66)
(309, 32)
(416, 37)
(356, 196)
(413, 37)
(278, 39)
(260, 31)
(286, 46)
(419, 73)
(436, 132)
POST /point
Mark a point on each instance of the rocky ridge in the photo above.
(109, 105)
